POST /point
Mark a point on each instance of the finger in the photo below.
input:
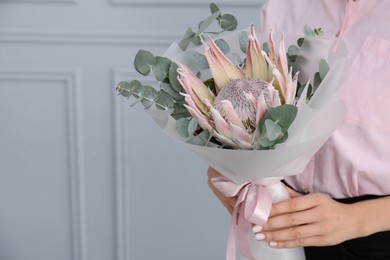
(211, 173)
(292, 219)
(310, 241)
(294, 205)
(296, 233)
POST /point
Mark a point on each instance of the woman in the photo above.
(345, 212)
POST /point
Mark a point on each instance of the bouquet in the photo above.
(245, 108)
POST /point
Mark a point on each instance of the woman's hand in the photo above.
(229, 203)
(309, 220)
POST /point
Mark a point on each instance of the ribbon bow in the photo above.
(254, 205)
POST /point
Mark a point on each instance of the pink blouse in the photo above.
(356, 159)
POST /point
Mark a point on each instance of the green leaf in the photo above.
(164, 101)
(180, 112)
(206, 23)
(173, 74)
(228, 22)
(292, 50)
(324, 68)
(161, 68)
(146, 103)
(273, 130)
(125, 88)
(222, 45)
(281, 116)
(144, 61)
(182, 127)
(197, 40)
(187, 38)
(201, 139)
(136, 89)
(308, 32)
(148, 92)
(210, 83)
(243, 39)
(266, 47)
(319, 32)
(192, 126)
(300, 41)
(316, 82)
(195, 61)
(214, 8)
(167, 88)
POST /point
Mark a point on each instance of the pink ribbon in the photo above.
(254, 205)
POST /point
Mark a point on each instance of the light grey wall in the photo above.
(83, 176)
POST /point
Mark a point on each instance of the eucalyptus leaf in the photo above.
(164, 101)
(192, 126)
(180, 112)
(308, 32)
(161, 68)
(144, 61)
(324, 68)
(124, 88)
(316, 82)
(167, 88)
(292, 50)
(196, 61)
(148, 92)
(201, 139)
(187, 38)
(136, 89)
(196, 40)
(146, 103)
(266, 47)
(319, 32)
(206, 23)
(214, 8)
(173, 74)
(222, 45)
(182, 127)
(228, 22)
(243, 39)
(300, 41)
(273, 130)
(283, 115)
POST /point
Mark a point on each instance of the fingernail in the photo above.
(260, 236)
(257, 229)
(273, 244)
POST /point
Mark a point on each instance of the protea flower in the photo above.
(242, 98)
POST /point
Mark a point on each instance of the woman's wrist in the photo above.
(370, 216)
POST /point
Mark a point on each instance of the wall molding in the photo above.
(178, 3)
(40, 1)
(122, 155)
(71, 78)
(101, 38)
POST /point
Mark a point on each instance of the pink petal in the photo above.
(239, 133)
(230, 113)
(256, 66)
(271, 46)
(281, 81)
(261, 109)
(282, 60)
(224, 140)
(221, 125)
(202, 121)
(222, 69)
